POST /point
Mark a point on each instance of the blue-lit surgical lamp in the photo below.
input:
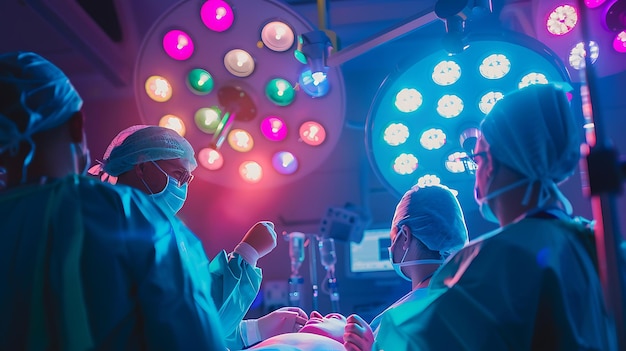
(316, 47)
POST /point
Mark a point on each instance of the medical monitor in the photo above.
(369, 259)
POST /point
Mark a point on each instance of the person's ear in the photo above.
(139, 169)
(407, 237)
(77, 131)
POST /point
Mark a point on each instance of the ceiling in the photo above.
(101, 68)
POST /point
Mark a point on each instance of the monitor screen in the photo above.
(370, 257)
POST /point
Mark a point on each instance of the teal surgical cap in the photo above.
(435, 217)
(139, 144)
(533, 131)
(45, 99)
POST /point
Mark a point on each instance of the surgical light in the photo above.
(408, 100)
(277, 36)
(405, 164)
(312, 133)
(280, 91)
(562, 20)
(240, 140)
(208, 119)
(314, 84)
(430, 143)
(210, 159)
(316, 47)
(285, 162)
(446, 73)
(200, 81)
(174, 123)
(495, 66)
(488, 100)
(178, 45)
(158, 88)
(228, 67)
(396, 134)
(273, 128)
(578, 53)
(251, 172)
(239, 63)
(432, 139)
(217, 15)
(449, 106)
(532, 78)
(619, 43)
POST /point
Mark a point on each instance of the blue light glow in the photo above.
(488, 100)
(396, 134)
(495, 66)
(433, 139)
(446, 73)
(408, 100)
(405, 164)
(449, 106)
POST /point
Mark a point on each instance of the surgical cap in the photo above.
(435, 217)
(139, 144)
(533, 131)
(46, 100)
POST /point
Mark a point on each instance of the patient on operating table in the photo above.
(320, 333)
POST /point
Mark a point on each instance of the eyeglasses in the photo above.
(472, 157)
(470, 161)
(185, 177)
(182, 175)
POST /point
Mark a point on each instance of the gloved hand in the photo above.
(357, 335)
(262, 237)
(281, 321)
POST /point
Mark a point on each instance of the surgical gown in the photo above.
(529, 286)
(86, 265)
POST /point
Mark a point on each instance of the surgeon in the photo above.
(159, 162)
(427, 226)
(532, 284)
(85, 265)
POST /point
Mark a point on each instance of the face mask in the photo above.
(483, 201)
(397, 267)
(171, 197)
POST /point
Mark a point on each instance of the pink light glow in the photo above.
(217, 15)
(619, 43)
(210, 159)
(178, 45)
(273, 128)
(312, 133)
(594, 3)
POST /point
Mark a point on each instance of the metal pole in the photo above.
(604, 177)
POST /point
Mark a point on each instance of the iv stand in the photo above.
(604, 182)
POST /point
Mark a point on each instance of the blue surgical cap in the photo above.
(46, 100)
(533, 131)
(435, 217)
(143, 143)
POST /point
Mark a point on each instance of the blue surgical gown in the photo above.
(530, 286)
(87, 265)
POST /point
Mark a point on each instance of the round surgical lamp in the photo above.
(559, 25)
(424, 119)
(224, 74)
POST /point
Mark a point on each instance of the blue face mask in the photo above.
(483, 201)
(171, 197)
(397, 267)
